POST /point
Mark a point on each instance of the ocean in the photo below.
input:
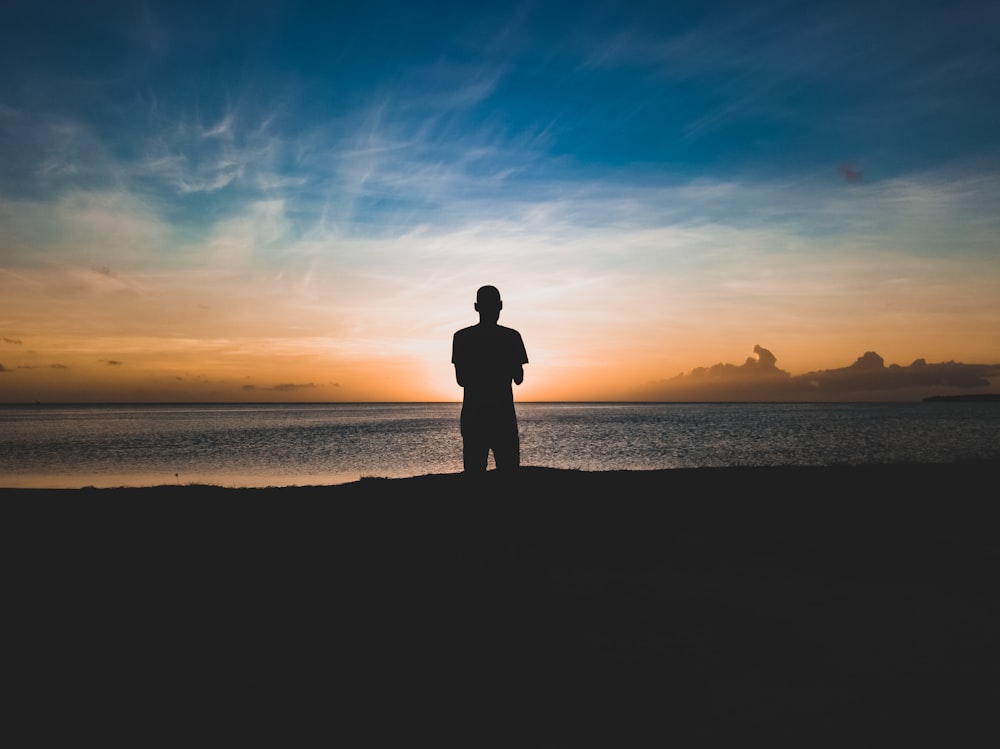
(261, 445)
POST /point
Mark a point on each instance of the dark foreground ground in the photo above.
(793, 607)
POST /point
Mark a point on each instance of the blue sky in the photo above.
(193, 189)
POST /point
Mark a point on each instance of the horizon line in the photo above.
(961, 396)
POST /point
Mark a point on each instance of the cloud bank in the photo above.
(868, 378)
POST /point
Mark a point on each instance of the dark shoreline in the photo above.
(807, 606)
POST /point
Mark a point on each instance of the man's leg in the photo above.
(475, 447)
(474, 457)
(507, 443)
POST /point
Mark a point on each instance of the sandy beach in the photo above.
(797, 606)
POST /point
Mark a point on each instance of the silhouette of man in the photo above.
(487, 358)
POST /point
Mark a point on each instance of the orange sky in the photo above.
(80, 334)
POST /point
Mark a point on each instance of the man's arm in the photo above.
(455, 359)
(521, 358)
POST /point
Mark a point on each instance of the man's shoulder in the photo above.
(492, 333)
(483, 330)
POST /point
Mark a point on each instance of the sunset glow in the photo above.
(270, 201)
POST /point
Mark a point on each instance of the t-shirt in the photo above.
(485, 359)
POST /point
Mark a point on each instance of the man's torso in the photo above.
(487, 356)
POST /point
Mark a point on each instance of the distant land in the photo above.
(966, 398)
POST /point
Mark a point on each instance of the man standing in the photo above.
(487, 358)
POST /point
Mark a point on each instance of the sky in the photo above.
(296, 201)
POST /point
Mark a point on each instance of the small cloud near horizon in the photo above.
(289, 386)
(764, 365)
(284, 387)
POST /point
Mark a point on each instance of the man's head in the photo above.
(488, 303)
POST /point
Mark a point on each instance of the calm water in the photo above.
(298, 445)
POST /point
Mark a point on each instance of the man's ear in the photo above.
(476, 305)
